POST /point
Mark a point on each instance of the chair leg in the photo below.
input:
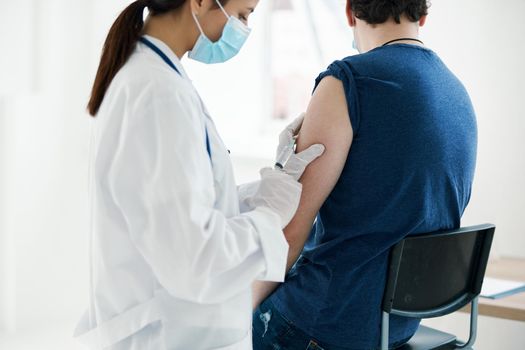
(473, 326)
(385, 330)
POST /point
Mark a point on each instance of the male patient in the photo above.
(400, 136)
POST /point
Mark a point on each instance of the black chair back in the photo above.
(434, 274)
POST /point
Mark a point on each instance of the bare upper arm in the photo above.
(327, 122)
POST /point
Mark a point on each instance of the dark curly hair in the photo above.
(380, 11)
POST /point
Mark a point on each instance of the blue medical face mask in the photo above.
(233, 37)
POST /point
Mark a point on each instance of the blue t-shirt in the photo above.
(409, 171)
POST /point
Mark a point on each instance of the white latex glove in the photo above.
(279, 188)
(246, 191)
(294, 164)
(277, 191)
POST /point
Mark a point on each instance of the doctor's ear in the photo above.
(196, 6)
(200, 7)
(350, 13)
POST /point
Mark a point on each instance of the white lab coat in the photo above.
(172, 257)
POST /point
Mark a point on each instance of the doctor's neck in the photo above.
(172, 29)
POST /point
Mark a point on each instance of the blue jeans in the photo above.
(272, 331)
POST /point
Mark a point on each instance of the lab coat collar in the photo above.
(168, 52)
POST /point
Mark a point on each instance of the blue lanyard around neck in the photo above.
(160, 53)
(172, 65)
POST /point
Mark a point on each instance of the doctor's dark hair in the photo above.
(121, 42)
(380, 11)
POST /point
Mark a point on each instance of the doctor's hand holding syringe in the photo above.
(264, 192)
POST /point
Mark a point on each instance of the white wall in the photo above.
(46, 164)
(3, 217)
(44, 88)
(3, 249)
(12, 85)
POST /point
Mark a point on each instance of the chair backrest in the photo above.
(434, 274)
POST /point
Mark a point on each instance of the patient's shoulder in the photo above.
(327, 119)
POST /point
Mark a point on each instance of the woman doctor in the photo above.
(174, 246)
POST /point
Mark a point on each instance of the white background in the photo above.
(49, 54)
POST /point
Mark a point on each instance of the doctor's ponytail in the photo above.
(120, 44)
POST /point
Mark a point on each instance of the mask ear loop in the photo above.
(197, 22)
(222, 9)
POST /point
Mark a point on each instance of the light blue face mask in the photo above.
(233, 37)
